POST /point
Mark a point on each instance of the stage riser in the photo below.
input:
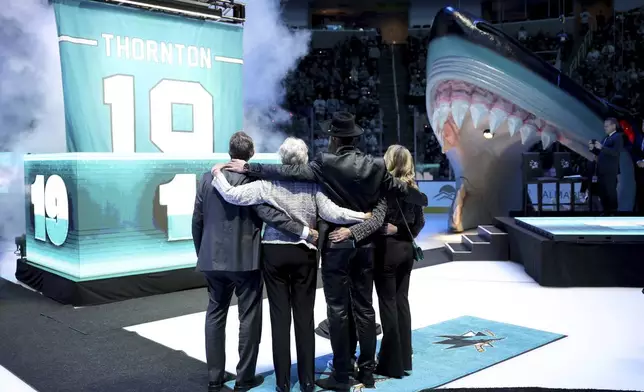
(472, 248)
(495, 247)
(569, 264)
(102, 291)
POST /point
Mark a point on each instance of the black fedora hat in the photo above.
(343, 124)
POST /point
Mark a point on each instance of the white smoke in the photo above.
(271, 50)
(31, 103)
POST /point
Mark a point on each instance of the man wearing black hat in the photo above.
(360, 182)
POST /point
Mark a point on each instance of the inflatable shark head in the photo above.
(489, 100)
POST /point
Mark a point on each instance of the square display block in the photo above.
(102, 215)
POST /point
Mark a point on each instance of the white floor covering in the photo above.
(604, 348)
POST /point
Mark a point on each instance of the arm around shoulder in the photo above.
(282, 172)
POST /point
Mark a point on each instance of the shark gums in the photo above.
(478, 79)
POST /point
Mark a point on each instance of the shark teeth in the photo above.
(478, 112)
(528, 130)
(457, 99)
(459, 111)
(548, 136)
(441, 113)
(461, 99)
(497, 117)
(438, 131)
(444, 109)
(514, 123)
(515, 120)
(480, 108)
(499, 113)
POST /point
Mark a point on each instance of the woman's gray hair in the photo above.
(294, 152)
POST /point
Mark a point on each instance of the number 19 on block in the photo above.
(51, 209)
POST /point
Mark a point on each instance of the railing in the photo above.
(580, 57)
(393, 70)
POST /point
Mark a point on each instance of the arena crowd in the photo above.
(347, 78)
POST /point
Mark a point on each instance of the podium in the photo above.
(551, 192)
(103, 227)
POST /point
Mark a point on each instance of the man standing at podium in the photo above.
(608, 152)
(227, 241)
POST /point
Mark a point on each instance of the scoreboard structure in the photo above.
(151, 101)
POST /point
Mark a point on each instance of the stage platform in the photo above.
(578, 251)
(587, 229)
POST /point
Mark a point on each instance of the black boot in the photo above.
(353, 369)
(255, 382)
(331, 384)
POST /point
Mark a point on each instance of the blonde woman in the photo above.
(392, 270)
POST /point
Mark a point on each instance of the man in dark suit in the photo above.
(608, 153)
(360, 182)
(637, 153)
(227, 241)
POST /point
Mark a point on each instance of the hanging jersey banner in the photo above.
(143, 81)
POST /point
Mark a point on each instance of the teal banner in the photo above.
(94, 215)
(143, 81)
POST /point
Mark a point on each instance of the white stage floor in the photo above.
(604, 348)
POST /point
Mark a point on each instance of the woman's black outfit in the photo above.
(393, 265)
(290, 275)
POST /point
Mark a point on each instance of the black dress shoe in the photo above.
(365, 377)
(255, 382)
(331, 384)
(216, 387)
(212, 387)
(307, 387)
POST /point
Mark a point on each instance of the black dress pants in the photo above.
(248, 287)
(607, 188)
(347, 276)
(394, 262)
(290, 273)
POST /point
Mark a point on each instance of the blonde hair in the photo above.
(294, 152)
(401, 165)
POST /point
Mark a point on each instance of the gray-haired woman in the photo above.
(290, 264)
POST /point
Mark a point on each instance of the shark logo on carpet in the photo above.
(478, 340)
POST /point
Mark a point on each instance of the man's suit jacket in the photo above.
(227, 237)
(608, 155)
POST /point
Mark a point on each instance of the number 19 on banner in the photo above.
(51, 209)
